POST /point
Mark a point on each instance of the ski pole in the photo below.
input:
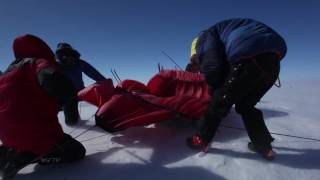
(171, 60)
(114, 76)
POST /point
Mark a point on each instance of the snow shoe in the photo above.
(265, 151)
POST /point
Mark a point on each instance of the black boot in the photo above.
(68, 150)
(12, 161)
(265, 151)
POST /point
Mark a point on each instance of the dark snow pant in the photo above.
(247, 82)
(11, 161)
(67, 150)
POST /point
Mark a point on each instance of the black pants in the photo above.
(67, 150)
(247, 82)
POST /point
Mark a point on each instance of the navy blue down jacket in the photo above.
(231, 40)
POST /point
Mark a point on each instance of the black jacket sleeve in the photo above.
(90, 71)
(212, 58)
(56, 84)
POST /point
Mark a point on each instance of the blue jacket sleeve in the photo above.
(90, 71)
(213, 63)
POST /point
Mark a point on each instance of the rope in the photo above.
(159, 106)
(89, 139)
(75, 128)
(280, 134)
(82, 133)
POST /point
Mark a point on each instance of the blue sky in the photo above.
(129, 35)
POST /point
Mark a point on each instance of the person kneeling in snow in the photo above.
(240, 59)
(32, 90)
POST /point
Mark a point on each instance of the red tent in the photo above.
(168, 94)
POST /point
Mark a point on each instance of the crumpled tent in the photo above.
(98, 93)
(168, 94)
(178, 83)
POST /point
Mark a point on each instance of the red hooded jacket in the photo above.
(28, 116)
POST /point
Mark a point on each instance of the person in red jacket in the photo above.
(33, 89)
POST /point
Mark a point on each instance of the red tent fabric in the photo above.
(178, 83)
(97, 93)
(133, 86)
(126, 110)
(167, 94)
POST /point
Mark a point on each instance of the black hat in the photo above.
(65, 47)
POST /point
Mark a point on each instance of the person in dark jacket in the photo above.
(192, 68)
(240, 59)
(33, 89)
(73, 66)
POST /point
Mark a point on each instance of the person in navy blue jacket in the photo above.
(240, 59)
(73, 66)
